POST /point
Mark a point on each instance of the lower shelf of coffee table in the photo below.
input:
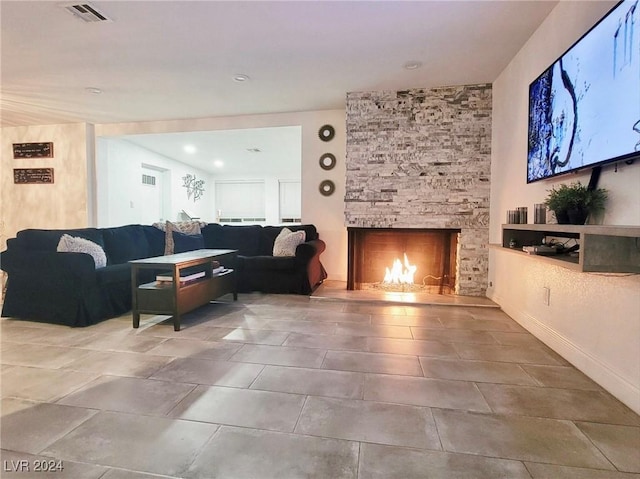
(163, 298)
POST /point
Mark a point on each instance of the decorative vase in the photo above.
(562, 216)
(577, 216)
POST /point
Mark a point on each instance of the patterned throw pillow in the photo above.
(74, 244)
(287, 242)
(184, 227)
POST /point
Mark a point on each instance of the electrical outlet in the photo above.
(546, 294)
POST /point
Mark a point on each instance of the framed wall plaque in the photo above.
(24, 176)
(33, 150)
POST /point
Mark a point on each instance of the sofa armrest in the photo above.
(308, 259)
(75, 267)
(306, 251)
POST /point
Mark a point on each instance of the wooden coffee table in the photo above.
(176, 298)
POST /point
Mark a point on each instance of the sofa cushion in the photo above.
(269, 263)
(213, 235)
(125, 243)
(156, 239)
(117, 273)
(47, 240)
(246, 239)
(74, 244)
(287, 242)
(183, 242)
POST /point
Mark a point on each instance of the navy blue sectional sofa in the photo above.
(66, 288)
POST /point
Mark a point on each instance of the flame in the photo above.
(399, 274)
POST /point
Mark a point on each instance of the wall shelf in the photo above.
(605, 249)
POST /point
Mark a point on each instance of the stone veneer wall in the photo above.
(421, 158)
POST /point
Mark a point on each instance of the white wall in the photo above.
(593, 319)
(327, 213)
(120, 190)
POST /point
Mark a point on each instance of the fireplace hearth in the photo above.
(430, 255)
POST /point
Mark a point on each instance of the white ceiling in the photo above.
(280, 151)
(176, 59)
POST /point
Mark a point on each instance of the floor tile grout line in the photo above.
(304, 403)
(435, 424)
(588, 438)
(264, 367)
(484, 398)
(364, 386)
(60, 436)
(202, 448)
(168, 413)
(524, 463)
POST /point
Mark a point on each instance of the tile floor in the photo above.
(277, 386)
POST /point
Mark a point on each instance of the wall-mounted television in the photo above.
(584, 110)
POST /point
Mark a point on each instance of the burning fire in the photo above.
(400, 274)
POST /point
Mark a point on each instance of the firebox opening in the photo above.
(402, 259)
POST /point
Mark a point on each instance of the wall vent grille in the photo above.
(148, 180)
(86, 12)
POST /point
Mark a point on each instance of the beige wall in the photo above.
(593, 320)
(62, 204)
(327, 213)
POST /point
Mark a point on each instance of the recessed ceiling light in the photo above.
(218, 163)
(240, 77)
(412, 65)
(189, 149)
(94, 90)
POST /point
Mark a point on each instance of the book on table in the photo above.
(184, 278)
(189, 274)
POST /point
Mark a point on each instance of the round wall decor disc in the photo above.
(327, 161)
(327, 187)
(326, 133)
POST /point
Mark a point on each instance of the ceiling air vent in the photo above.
(86, 12)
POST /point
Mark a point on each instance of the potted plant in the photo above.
(572, 204)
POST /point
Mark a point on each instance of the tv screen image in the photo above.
(584, 110)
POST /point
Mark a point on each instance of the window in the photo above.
(240, 201)
(290, 207)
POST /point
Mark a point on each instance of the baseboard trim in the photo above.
(600, 372)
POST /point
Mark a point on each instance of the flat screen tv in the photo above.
(584, 110)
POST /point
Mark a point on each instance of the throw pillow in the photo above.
(287, 242)
(183, 242)
(185, 227)
(74, 244)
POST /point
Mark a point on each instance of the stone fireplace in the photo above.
(431, 252)
(420, 160)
